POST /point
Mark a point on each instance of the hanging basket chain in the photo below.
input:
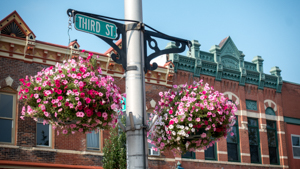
(69, 28)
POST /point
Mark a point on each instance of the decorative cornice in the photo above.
(227, 62)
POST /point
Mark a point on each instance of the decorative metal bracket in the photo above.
(180, 44)
(121, 57)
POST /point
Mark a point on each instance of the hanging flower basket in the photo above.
(73, 95)
(190, 118)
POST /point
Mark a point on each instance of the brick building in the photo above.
(266, 135)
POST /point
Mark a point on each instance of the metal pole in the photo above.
(135, 90)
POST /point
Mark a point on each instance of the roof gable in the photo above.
(14, 21)
(227, 47)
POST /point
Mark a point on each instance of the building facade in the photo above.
(266, 135)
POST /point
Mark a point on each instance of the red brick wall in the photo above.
(291, 129)
(290, 99)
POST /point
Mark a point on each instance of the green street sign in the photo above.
(95, 26)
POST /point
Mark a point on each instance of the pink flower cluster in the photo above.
(73, 95)
(190, 118)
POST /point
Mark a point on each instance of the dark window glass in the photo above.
(273, 155)
(210, 153)
(254, 140)
(295, 141)
(232, 139)
(5, 130)
(271, 124)
(252, 122)
(42, 134)
(232, 152)
(253, 134)
(296, 152)
(6, 105)
(233, 143)
(271, 138)
(93, 141)
(272, 141)
(189, 154)
(254, 153)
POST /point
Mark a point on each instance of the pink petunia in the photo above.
(104, 115)
(80, 114)
(59, 97)
(46, 114)
(65, 131)
(36, 96)
(87, 100)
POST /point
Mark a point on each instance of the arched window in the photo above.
(270, 111)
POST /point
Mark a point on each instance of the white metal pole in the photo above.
(135, 90)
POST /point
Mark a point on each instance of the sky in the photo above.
(268, 28)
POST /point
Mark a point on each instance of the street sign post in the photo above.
(95, 26)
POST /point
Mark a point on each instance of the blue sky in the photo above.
(269, 28)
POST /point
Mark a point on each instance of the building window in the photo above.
(254, 140)
(43, 134)
(272, 141)
(152, 152)
(296, 146)
(93, 141)
(210, 153)
(189, 154)
(7, 117)
(270, 111)
(233, 146)
(251, 105)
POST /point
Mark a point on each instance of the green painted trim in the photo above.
(277, 153)
(292, 120)
(258, 138)
(291, 82)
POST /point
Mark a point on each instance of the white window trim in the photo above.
(50, 135)
(13, 127)
(294, 146)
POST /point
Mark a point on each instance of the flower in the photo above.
(191, 110)
(79, 114)
(70, 93)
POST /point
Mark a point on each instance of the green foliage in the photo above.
(115, 149)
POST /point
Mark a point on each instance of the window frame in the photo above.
(258, 138)
(215, 151)
(100, 142)
(156, 155)
(238, 141)
(13, 119)
(293, 146)
(50, 135)
(276, 139)
(193, 155)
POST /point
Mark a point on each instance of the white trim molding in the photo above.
(245, 154)
(283, 157)
(222, 152)
(269, 104)
(265, 156)
(230, 94)
(259, 115)
(280, 132)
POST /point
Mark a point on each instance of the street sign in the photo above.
(95, 26)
